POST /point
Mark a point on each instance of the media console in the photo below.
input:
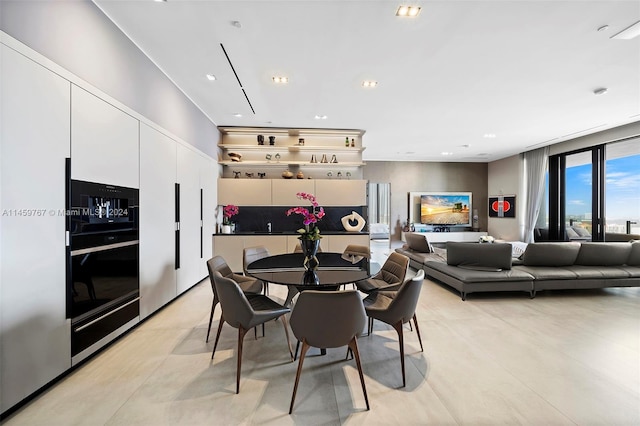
(443, 237)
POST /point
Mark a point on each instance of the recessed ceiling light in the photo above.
(280, 80)
(600, 91)
(320, 117)
(411, 11)
(369, 83)
(628, 33)
(211, 77)
(237, 115)
(160, 1)
(236, 24)
(446, 153)
(489, 135)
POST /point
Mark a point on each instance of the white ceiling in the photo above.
(522, 70)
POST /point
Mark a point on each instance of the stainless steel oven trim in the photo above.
(82, 327)
(103, 248)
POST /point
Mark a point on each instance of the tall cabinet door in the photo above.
(209, 187)
(189, 247)
(157, 220)
(104, 141)
(35, 342)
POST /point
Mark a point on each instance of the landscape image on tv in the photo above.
(445, 209)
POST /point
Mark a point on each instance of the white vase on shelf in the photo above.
(226, 229)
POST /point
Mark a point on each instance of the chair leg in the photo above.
(305, 348)
(241, 334)
(292, 292)
(295, 355)
(213, 308)
(370, 326)
(415, 321)
(398, 327)
(215, 345)
(286, 332)
(353, 347)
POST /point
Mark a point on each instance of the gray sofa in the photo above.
(473, 267)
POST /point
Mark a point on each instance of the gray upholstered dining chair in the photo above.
(390, 277)
(244, 314)
(251, 254)
(247, 284)
(355, 253)
(328, 319)
(396, 309)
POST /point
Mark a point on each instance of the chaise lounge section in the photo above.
(543, 266)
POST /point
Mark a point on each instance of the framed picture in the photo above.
(502, 206)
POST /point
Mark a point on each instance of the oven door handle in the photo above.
(89, 324)
(103, 248)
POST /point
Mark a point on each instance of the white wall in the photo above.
(505, 177)
(79, 37)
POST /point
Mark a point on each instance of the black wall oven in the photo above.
(103, 288)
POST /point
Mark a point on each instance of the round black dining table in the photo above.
(287, 269)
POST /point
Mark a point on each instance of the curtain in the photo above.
(535, 167)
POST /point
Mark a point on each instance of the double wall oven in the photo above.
(103, 281)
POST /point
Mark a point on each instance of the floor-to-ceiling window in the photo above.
(593, 192)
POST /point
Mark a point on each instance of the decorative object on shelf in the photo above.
(260, 140)
(301, 141)
(329, 174)
(348, 175)
(334, 159)
(277, 157)
(486, 239)
(261, 175)
(272, 140)
(268, 157)
(310, 233)
(287, 174)
(313, 158)
(324, 158)
(228, 212)
(300, 175)
(249, 175)
(339, 175)
(354, 216)
(353, 143)
(474, 220)
(346, 141)
(502, 206)
(235, 156)
(236, 175)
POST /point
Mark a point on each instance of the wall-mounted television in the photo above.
(445, 208)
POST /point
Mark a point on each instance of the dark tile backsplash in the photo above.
(255, 219)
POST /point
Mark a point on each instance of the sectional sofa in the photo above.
(471, 267)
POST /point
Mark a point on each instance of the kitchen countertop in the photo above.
(292, 233)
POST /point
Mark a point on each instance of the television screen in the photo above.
(445, 208)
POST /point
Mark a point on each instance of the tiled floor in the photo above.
(569, 357)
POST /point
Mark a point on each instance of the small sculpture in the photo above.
(354, 216)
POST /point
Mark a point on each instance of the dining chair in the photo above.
(247, 284)
(396, 309)
(355, 253)
(328, 319)
(244, 314)
(390, 277)
(251, 254)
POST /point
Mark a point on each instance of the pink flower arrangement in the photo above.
(229, 211)
(310, 217)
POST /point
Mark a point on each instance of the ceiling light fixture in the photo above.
(600, 91)
(280, 80)
(489, 135)
(320, 117)
(369, 83)
(446, 153)
(628, 33)
(236, 24)
(411, 11)
(603, 28)
(211, 77)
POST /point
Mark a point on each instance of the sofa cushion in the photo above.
(603, 254)
(546, 273)
(478, 276)
(418, 243)
(634, 254)
(551, 254)
(493, 256)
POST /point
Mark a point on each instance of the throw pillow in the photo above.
(418, 243)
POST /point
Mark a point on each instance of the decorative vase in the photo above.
(310, 249)
(310, 277)
(226, 229)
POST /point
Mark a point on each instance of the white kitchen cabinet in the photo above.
(283, 191)
(337, 243)
(341, 192)
(244, 192)
(230, 248)
(208, 184)
(157, 220)
(104, 141)
(35, 339)
(188, 172)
